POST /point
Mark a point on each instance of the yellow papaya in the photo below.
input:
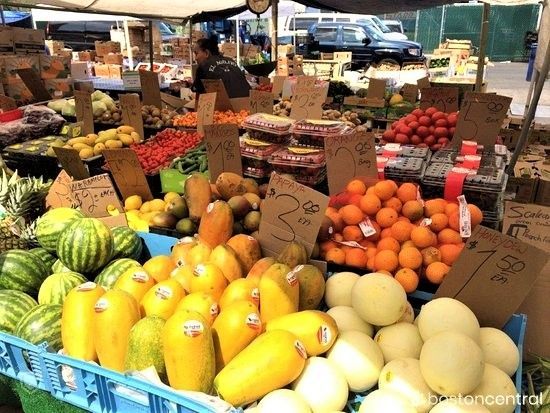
(240, 290)
(226, 259)
(136, 282)
(279, 292)
(162, 299)
(197, 195)
(208, 278)
(216, 225)
(183, 275)
(259, 268)
(203, 303)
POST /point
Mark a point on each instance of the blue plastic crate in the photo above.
(156, 244)
(22, 361)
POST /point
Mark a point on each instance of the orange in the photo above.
(430, 255)
(376, 236)
(413, 210)
(407, 192)
(449, 236)
(436, 272)
(352, 233)
(410, 258)
(367, 244)
(208, 278)
(351, 214)
(385, 189)
(370, 204)
(356, 186)
(454, 220)
(402, 218)
(434, 206)
(370, 263)
(385, 272)
(355, 199)
(356, 257)
(386, 232)
(422, 237)
(159, 267)
(449, 253)
(439, 222)
(336, 218)
(388, 243)
(386, 260)
(336, 256)
(386, 217)
(401, 231)
(370, 191)
(475, 214)
(327, 245)
(371, 252)
(408, 279)
(338, 237)
(451, 208)
(394, 203)
(408, 244)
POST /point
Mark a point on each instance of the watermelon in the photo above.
(51, 225)
(21, 270)
(42, 323)
(127, 244)
(85, 246)
(110, 274)
(59, 267)
(42, 253)
(13, 306)
(55, 288)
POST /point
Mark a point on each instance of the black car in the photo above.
(366, 45)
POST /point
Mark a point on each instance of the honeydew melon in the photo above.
(399, 340)
(347, 319)
(499, 350)
(497, 390)
(384, 401)
(338, 288)
(283, 400)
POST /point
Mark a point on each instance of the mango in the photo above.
(247, 249)
(90, 139)
(135, 137)
(125, 139)
(99, 148)
(197, 195)
(124, 129)
(230, 184)
(293, 254)
(79, 146)
(226, 259)
(86, 153)
(279, 292)
(216, 224)
(113, 144)
(74, 141)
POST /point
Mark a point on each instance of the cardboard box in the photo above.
(101, 70)
(113, 59)
(115, 71)
(81, 70)
(12, 63)
(59, 88)
(87, 56)
(28, 40)
(229, 49)
(6, 41)
(250, 51)
(55, 46)
(104, 48)
(18, 90)
(54, 67)
(524, 189)
(283, 50)
(543, 193)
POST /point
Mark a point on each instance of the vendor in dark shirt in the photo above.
(212, 65)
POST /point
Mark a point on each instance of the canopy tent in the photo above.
(286, 8)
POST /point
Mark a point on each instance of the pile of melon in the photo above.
(405, 364)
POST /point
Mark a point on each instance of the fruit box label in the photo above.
(493, 275)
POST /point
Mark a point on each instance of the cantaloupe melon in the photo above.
(458, 406)
(499, 349)
(385, 401)
(403, 376)
(447, 314)
(451, 363)
(283, 400)
(338, 289)
(496, 386)
(379, 299)
(359, 358)
(322, 385)
(408, 315)
(399, 340)
(347, 319)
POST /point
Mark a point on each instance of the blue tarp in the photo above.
(15, 16)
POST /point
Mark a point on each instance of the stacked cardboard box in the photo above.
(21, 41)
(6, 40)
(55, 46)
(289, 67)
(113, 59)
(104, 48)
(87, 56)
(14, 87)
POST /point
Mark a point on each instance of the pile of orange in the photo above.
(413, 238)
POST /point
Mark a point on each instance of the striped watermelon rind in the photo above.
(52, 224)
(14, 305)
(58, 266)
(111, 273)
(42, 253)
(21, 270)
(55, 288)
(127, 244)
(85, 246)
(42, 323)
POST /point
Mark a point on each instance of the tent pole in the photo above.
(275, 24)
(2, 15)
(151, 47)
(534, 79)
(482, 46)
(190, 41)
(442, 26)
(531, 113)
(238, 39)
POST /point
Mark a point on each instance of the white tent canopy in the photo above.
(285, 8)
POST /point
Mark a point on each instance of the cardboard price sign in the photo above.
(493, 275)
(305, 81)
(278, 83)
(130, 105)
(222, 98)
(33, 82)
(150, 88)
(94, 196)
(127, 173)
(84, 110)
(349, 156)
(60, 194)
(307, 102)
(261, 102)
(292, 212)
(71, 162)
(480, 118)
(528, 222)
(423, 83)
(223, 149)
(444, 99)
(205, 111)
(410, 92)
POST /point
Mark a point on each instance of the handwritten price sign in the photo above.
(60, 194)
(150, 88)
(443, 98)
(94, 195)
(205, 111)
(481, 117)
(71, 162)
(261, 102)
(131, 111)
(126, 169)
(307, 102)
(349, 156)
(84, 111)
(222, 149)
(292, 212)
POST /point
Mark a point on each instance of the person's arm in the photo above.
(198, 87)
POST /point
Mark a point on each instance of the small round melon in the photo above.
(499, 349)
(379, 299)
(347, 319)
(385, 401)
(458, 406)
(408, 315)
(322, 385)
(338, 288)
(497, 390)
(359, 358)
(451, 363)
(447, 314)
(399, 340)
(403, 376)
(283, 400)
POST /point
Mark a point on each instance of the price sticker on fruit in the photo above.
(291, 212)
(222, 149)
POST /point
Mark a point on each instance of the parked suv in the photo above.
(366, 45)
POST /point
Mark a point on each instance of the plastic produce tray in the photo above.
(488, 159)
(403, 169)
(408, 152)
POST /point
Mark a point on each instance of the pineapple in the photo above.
(21, 201)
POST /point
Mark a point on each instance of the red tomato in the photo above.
(441, 132)
(402, 139)
(417, 113)
(430, 111)
(452, 118)
(415, 139)
(422, 131)
(441, 123)
(414, 125)
(389, 136)
(439, 115)
(425, 120)
(429, 140)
